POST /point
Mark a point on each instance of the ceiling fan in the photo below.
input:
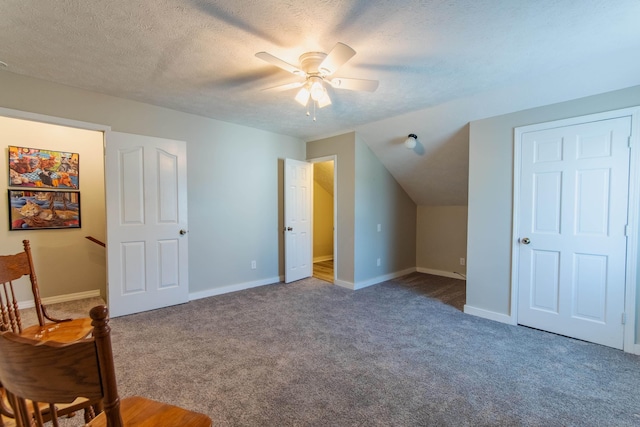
(316, 69)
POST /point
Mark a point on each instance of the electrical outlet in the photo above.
(379, 228)
(378, 262)
(253, 265)
(462, 261)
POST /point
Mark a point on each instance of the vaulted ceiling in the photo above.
(440, 64)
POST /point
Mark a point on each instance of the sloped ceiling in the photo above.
(440, 64)
(323, 175)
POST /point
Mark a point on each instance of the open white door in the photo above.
(147, 258)
(298, 181)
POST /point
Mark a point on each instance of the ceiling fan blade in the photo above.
(340, 54)
(354, 84)
(288, 86)
(279, 63)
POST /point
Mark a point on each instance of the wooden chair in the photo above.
(8, 417)
(47, 371)
(13, 267)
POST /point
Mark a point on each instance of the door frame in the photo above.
(52, 120)
(633, 198)
(70, 123)
(333, 158)
(59, 121)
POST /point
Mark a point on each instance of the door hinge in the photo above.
(623, 318)
(626, 230)
(629, 141)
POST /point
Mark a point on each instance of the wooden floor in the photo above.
(447, 290)
(323, 270)
(450, 291)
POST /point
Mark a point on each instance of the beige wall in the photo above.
(66, 262)
(322, 223)
(441, 240)
(367, 196)
(343, 147)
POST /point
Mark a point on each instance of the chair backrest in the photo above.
(51, 372)
(13, 267)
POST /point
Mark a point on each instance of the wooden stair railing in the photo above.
(96, 241)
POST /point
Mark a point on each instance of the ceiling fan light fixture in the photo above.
(316, 68)
(324, 101)
(411, 141)
(317, 90)
(303, 96)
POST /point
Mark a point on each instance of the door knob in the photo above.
(525, 240)
(289, 228)
(183, 232)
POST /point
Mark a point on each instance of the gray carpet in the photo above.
(395, 354)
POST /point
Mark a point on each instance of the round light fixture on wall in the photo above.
(411, 141)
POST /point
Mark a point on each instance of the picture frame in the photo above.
(37, 168)
(40, 210)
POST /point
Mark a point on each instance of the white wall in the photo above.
(491, 189)
(66, 262)
(234, 177)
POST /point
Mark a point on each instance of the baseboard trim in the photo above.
(233, 288)
(343, 284)
(323, 258)
(450, 274)
(634, 349)
(61, 298)
(486, 314)
(383, 278)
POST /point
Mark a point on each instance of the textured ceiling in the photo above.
(197, 56)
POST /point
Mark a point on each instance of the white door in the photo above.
(573, 217)
(147, 259)
(298, 181)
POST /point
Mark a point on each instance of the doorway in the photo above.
(323, 220)
(66, 262)
(71, 251)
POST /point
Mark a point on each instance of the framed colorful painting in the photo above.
(38, 210)
(33, 167)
